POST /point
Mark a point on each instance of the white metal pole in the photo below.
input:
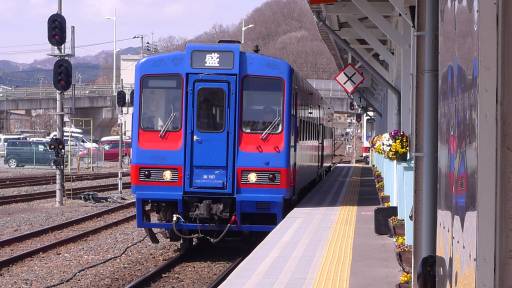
(115, 48)
(59, 197)
(243, 29)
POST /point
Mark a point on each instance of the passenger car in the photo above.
(6, 137)
(19, 153)
(108, 151)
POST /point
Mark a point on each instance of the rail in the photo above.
(29, 197)
(27, 253)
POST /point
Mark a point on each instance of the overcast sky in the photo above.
(24, 31)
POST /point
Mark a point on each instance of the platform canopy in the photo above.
(375, 36)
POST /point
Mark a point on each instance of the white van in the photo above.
(78, 138)
(6, 137)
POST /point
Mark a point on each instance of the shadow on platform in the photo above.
(330, 192)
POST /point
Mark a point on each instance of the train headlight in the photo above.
(252, 177)
(147, 174)
(167, 175)
(272, 177)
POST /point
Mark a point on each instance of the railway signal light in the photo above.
(62, 75)
(57, 30)
(121, 98)
(352, 106)
(358, 117)
(56, 144)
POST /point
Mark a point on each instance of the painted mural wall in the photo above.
(457, 158)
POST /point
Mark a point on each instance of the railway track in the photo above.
(28, 197)
(26, 245)
(194, 254)
(14, 182)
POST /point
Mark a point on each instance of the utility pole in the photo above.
(141, 37)
(354, 133)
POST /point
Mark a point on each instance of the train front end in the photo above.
(211, 152)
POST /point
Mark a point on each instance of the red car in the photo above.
(110, 151)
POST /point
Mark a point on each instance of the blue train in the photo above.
(223, 140)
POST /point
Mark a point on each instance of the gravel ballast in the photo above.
(56, 265)
(23, 217)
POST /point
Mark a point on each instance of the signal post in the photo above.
(121, 102)
(62, 78)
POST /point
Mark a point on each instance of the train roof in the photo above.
(224, 58)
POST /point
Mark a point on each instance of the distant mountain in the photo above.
(9, 66)
(282, 28)
(87, 69)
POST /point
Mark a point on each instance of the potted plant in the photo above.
(397, 226)
(404, 256)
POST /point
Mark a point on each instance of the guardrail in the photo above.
(399, 185)
(48, 91)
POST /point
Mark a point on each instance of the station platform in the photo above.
(328, 240)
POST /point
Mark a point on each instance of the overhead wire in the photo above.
(15, 52)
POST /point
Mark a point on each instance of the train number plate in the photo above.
(209, 178)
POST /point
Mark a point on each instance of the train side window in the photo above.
(211, 109)
(303, 130)
(300, 129)
(161, 102)
(308, 130)
(262, 104)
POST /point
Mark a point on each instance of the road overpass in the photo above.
(89, 101)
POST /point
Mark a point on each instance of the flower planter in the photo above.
(403, 285)
(391, 229)
(399, 229)
(404, 259)
(396, 227)
(381, 216)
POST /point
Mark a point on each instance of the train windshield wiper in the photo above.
(168, 122)
(270, 127)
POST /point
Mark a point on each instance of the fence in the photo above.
(399, 185)
(75, 157)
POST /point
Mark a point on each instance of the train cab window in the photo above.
(210, 109)
(161, 103)
(262, 105)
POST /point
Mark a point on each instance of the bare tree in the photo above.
(171, 43)
(44, 121)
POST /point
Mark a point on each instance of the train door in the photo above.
(210, 137)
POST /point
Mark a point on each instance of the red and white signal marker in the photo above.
(349, 78)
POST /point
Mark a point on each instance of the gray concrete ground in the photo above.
(373, 258)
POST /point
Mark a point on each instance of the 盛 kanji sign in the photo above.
(349, 78)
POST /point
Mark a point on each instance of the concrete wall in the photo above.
(128, 63)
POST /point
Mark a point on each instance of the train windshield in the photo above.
(161, 103)
(262, 105)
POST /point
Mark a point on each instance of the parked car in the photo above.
(110, 150)
(19, 153)
(76, 137)
(6, 137)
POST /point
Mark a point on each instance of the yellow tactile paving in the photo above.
(335, 268)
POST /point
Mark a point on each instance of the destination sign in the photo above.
(212, 59)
